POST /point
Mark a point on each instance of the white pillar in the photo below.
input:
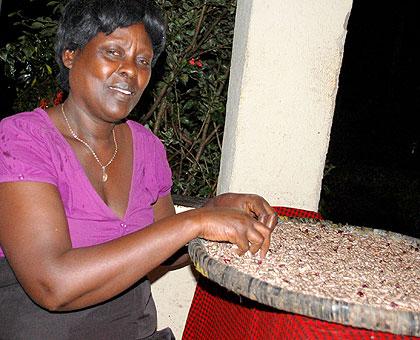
(284, 77)
(286, 62)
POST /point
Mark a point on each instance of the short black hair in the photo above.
(82, 20)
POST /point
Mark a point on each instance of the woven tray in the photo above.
(353, 314)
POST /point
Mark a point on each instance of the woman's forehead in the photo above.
(133, 35)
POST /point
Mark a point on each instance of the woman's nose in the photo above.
(127, 68)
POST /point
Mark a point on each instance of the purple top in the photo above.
(32, 149)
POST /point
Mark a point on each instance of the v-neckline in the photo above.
(86, 180)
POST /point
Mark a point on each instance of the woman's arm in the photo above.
(164, 207)
(35, 238)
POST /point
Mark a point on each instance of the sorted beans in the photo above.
(342, 262)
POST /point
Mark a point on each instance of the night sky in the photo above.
(375, 136)
(379, 89)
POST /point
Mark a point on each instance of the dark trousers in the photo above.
(131, 315)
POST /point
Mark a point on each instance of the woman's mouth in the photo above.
(123, 89)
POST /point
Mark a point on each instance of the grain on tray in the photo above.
(341, 262)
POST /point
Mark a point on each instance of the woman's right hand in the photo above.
(235, 226)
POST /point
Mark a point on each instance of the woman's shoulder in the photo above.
(27, 140)
(32, 127)
(29, 121)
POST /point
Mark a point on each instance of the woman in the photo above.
(85, 194)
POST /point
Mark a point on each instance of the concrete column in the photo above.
(284, 77)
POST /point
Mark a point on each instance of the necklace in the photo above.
(75, 136)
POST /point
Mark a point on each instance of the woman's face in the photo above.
(108, 76)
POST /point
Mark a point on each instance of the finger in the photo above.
(272, 221)
(260, 207)
(265, 232)
(243, 245)
(269, 220)
(256, 240)
(251, 239)
(263, 219)
(264, 247)
(268, 208)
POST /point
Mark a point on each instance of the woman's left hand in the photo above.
(252, 204)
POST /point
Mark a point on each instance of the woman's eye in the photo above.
(143, 62)
(113, 53)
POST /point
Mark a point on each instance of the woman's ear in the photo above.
(68, 58)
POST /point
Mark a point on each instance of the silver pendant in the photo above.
(104, 175)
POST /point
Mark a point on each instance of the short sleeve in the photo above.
(163, 171)
(24, 151)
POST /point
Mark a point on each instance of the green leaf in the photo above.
(37, 25)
